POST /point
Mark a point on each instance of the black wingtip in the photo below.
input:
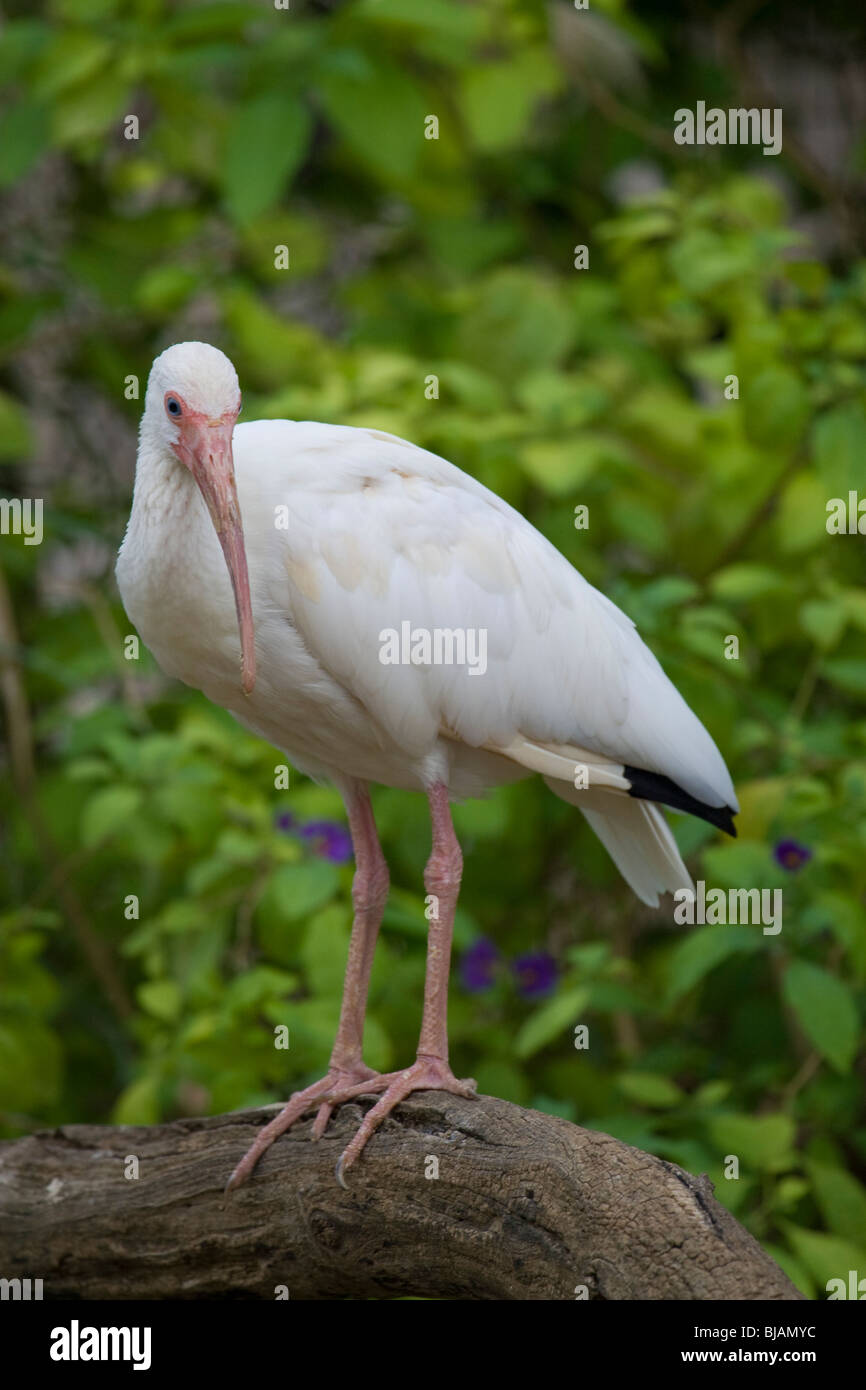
(652, 786)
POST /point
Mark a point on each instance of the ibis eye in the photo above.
(173, 406)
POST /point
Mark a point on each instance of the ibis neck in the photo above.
(170, 546)
(168, 517)
(163, 486)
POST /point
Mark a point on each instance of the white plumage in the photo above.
(352, 532)
(380, 532)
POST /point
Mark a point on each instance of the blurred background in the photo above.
(162, 906)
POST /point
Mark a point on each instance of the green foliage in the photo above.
(559, 388)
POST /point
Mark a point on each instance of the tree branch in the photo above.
(526, 1206)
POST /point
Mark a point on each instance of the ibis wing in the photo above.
(387, 546)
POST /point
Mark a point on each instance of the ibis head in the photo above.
(193, 400)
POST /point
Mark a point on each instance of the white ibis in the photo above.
(382, 617)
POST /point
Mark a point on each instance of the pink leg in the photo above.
(430, 1072)
(369, 893)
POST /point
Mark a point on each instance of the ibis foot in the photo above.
(338, 1078)
(427, 1073)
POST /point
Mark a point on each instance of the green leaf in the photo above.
(138, 1104)
(703, 261)
(839, 447)
(450, 19)
(267, 141)
(842, 1200)
(759, 1141)
(554, 1105)
(210, 20)
(760, 802)
(711, 1093)
(702, 950)
(108, 811)
(855, 605)
(824, 620)
(825, 1257)
(561, 465)
(499, 98)
(847, 672)
(14, 426)
(503, 1080)
(846, 918)
(668, 592)
(519, 321)
(162, 998)
(487, 818)
(741, 582)
(324, 950)
(776, 407)
(649, 1088)
(563, 399)
(257, 986)
(74, 57)
(801, 521)
(826, 1010)
(24, 136)
(379, 112)
(743, 864)
(271, 344)
(85, 113)
(795, 1270)
(31, 1062)
(165, 288)
(554, 1019)
(298, 889)
(467, 245)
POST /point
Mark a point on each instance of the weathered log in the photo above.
(525, 1206)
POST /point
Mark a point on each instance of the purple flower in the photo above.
(478, 965)
(792, 855)
(535, 973)
(329, 839)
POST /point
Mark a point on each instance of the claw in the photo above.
(297, 1106)
(427, 1073)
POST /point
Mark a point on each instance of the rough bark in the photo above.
(526, 1206)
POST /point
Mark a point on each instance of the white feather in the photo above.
(636, 836)
(379, 533)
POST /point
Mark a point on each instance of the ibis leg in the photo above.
(430, 1071)
(369, 893)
